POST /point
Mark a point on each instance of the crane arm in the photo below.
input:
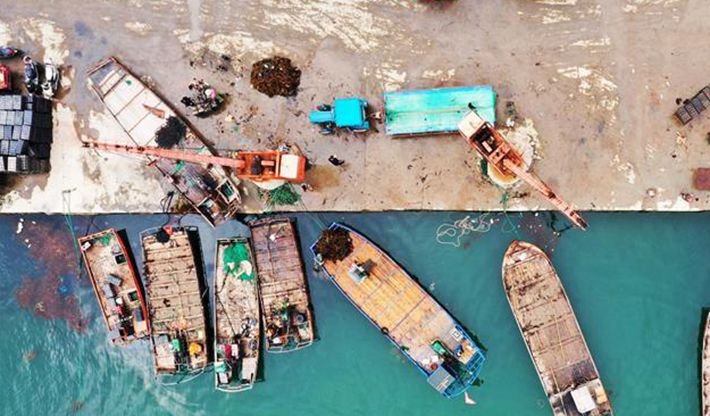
(545, 190)
(204, 159)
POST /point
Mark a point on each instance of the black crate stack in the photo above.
(25, 134)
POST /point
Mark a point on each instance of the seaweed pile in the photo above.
(171, 133)
(276, 76)
(334, 244)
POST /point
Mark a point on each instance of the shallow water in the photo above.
(636, 281)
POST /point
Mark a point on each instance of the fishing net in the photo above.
(237, 262)
(543, 229)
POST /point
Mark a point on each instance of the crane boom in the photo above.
(540, 186)
(204, 159)
(490, 144)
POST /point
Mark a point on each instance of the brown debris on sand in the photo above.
(276, 76)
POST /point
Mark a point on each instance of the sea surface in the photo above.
(637, 282)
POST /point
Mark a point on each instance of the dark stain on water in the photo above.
(50, 293)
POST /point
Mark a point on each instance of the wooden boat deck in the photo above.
(174, 296)
(705, 370)
(125, 314)
(281, 279)
(550, 330)
(411, 318)
(395, 303)
(141, 112)
(237, 320)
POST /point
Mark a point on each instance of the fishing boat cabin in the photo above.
(285, 301)
(116, 286)
(172, 278)
(237, 316)
(269, 165)
(441, 349)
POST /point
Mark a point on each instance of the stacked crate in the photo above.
(693, 107)
(25, 134)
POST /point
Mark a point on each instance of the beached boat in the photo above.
(705, 369)
(283, 289)
(552, 334)
(237, 317)
(172, 279)
(149, 120)
(116, 286)
(443, 351)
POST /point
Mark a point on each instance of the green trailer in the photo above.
(424, 112)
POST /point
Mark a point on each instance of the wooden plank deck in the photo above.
(550, 329)
(393, 301)
(130, 101)
(175, 297)
(280, 269)
(104, 254)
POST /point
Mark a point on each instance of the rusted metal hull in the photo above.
(145, 117)
(173, 283)
(118, 292)
(552, 334)
(283, 288)
(237, 316)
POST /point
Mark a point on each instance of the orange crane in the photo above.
(487, 141)
(255, 166)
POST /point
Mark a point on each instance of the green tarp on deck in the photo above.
(437, 110)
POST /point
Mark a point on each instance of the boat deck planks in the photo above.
(280, 269)
(550, 329)
(175, 295)
(392, 300)
(142, 113)
(104, 254)
(237, 319)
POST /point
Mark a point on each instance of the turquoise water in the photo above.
(636, 281)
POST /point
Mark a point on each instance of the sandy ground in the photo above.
(599, 80)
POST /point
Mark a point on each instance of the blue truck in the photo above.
(410, 113)
(344, 113)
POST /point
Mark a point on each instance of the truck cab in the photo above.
(347, 113)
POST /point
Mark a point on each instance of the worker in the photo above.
(335, 161)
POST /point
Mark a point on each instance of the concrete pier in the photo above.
(596, 80)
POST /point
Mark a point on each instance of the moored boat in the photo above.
(237, 316)
(283, 289)
(443, 351)
(175, 299)
(150, 120)
(705, 368)
(552, 334)
(116, 286)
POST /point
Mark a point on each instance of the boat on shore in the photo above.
(423, 331)
(150, 120)
(283, 288)
(552, 334)
(113, 277)
(172, 279)
(705, 368)
(237, 316)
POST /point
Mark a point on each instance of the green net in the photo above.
(237, 262)
(105, 239)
